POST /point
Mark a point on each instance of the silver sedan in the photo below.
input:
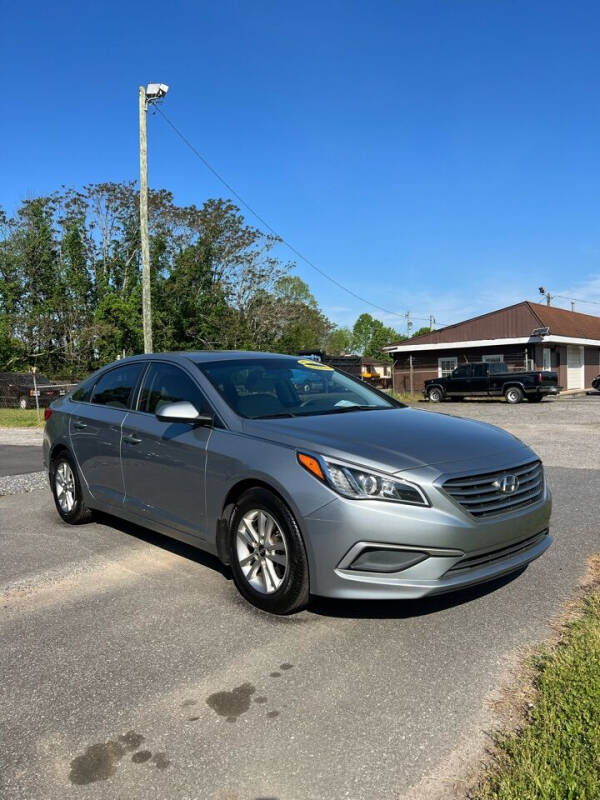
(335, 490)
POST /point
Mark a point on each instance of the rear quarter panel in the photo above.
(56, 430)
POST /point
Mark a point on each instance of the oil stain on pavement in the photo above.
(232, 704)
(100, 761)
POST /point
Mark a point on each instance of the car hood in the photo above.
(393, 440)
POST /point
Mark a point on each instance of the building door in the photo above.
(575, 377)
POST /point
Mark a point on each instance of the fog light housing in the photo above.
(378, 559)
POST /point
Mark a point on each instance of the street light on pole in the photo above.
(147, 95)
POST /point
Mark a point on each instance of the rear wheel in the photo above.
(435, 395)
(267, 553)
(513, 395)
(66, 489)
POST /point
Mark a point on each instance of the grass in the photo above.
(20, 418)
(407, 397)
(555, 755)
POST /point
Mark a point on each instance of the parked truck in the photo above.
(492, 380)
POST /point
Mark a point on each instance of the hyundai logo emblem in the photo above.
(508, 484)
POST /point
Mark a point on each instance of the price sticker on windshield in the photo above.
(306, 362)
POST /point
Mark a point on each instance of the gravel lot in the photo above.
(131, 668)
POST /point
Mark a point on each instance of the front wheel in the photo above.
(513, 395)
(66, 489)
(267, 553)
(435, 395)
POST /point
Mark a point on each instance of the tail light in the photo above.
(47, 414)
(539, 377)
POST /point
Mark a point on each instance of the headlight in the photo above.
(360, 484)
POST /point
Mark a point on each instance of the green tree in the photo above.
(370, 336)
(70, 281)
(421, 331)
(339, 342)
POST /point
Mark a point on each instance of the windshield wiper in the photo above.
(345, 409)
(275, 416)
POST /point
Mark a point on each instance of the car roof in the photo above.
(204, 356)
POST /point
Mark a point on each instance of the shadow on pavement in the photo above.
(321, 606)
(164, 542)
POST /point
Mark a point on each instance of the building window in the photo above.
(547, 361)
(497, 358)
(446, 366)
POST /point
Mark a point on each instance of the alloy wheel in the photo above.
(64, 482)
(262, 551)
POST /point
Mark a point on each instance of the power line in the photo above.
(577, 299)
(263, 222)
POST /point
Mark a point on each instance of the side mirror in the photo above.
(182, 411)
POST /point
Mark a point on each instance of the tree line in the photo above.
(71, 294)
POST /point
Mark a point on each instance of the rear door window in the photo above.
(166, 383)
(115, 387)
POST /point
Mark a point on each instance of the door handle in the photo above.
(80, 425)
(131, 439)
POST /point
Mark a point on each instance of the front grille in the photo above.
(480, 494)
(484, 559)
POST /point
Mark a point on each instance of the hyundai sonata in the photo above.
(336, 490)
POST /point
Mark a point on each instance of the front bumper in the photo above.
(460, 550)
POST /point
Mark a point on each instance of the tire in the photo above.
(513, 395)
(23, 403)
(280, 587)
(435, 395)
(69, 503)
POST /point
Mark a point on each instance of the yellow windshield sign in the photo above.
(307, 362)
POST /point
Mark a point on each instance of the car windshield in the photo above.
(267, 388)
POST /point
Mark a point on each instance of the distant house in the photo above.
(376, 371)
(523, 336)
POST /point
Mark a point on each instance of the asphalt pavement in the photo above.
(19, 459)
(131, 668)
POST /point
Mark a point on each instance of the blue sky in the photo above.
(439, 157)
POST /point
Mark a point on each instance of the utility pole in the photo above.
(146, 294)
(572, 305)
(408, 323)
(36, 394)
(150, 94)
(431, 322)
(547, 294)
